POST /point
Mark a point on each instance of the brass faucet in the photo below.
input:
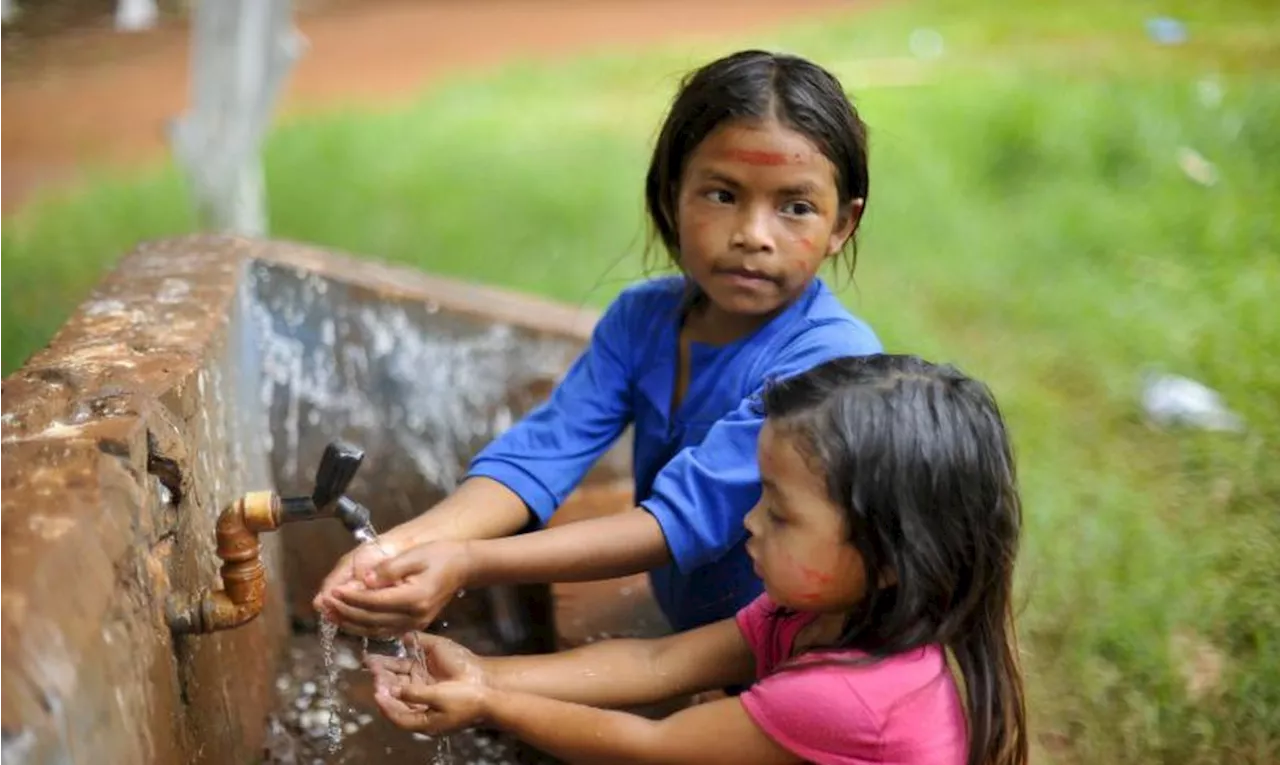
(244, 578)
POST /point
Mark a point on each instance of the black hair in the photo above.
(756, 85)
(918, 457)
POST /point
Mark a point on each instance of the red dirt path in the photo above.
(91, 96)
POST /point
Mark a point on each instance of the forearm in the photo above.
(612, 673)
(572, 732)
(481, 508)
(600, 548)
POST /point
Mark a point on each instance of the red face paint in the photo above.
(817, 577)
(764, 158)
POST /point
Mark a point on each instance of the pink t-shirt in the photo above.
(904, 710)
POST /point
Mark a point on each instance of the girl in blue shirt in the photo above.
(758, 178)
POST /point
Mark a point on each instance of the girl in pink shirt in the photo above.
(885, 535)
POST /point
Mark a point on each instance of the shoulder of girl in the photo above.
(893, 677)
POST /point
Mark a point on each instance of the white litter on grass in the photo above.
(1174, 401)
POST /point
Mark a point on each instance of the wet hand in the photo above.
(403, 593)
(392, 673)
(433, 709)
(432, 658)
(447, 661)
(352, 570)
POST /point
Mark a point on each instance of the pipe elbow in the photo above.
(244, 578)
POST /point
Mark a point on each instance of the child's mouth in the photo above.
(746, 279)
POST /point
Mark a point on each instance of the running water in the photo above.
(329, 631)
(366, 535)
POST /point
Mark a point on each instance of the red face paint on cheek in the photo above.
(817, 577)
(764, 158)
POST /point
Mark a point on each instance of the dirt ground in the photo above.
(77, 93)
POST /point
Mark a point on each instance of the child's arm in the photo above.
(611, 673)
(527, 471)
(693, 516)
(481, 508)
(618, 673)
(408, 591)
(715, 732)
(543, 699)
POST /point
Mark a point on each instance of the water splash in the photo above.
(328, 632)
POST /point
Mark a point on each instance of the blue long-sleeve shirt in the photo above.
(695, 468)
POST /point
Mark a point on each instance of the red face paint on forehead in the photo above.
(762, 158)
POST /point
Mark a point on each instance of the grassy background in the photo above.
(1028, 220)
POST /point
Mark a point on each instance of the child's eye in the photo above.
(773, 517)
(720, 196)
(798, 208)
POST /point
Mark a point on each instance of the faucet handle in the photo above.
(337, 467)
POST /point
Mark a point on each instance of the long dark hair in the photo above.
(918, 457)
(755, 85)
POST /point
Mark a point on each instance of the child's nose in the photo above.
(752, 232)
(749, 521)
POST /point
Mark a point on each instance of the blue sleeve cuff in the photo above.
(540, 501)
(680, 539)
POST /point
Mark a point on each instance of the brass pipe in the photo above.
(244, 578)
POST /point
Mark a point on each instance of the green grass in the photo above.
(1028, 220)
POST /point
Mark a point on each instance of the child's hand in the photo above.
(433, 709)
(352, 569)
(403, 593)
(447, 661)
(443, 660)
(393, 673)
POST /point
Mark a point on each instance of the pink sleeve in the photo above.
(815, 714)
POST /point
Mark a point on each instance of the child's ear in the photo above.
(846, 224)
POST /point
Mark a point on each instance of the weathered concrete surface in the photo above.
(201, 368)
(121, 442)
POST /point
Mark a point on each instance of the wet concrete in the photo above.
(120, 444)
(201, 368)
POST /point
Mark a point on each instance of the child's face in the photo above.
(798, 535)
(758, 213)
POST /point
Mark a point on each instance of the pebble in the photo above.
(346, 659)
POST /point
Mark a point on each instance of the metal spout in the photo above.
(337, 468)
